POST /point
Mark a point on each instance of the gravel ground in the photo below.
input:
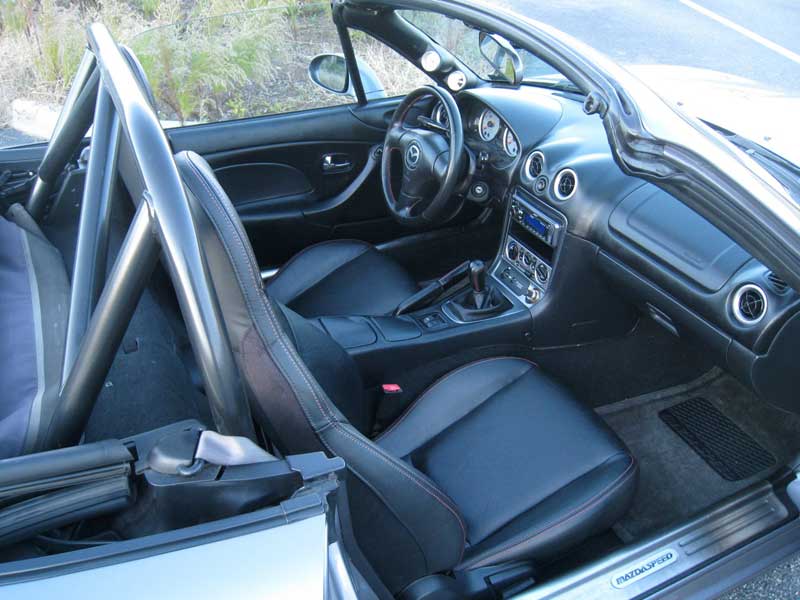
(780, 583)
(11, 137)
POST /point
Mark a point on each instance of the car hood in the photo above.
(743, 106)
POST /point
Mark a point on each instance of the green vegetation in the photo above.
(237, 65)
(206, 60)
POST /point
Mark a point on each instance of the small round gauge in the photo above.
(510, 144)
(488, 125)
(439, 115)
(456, 80)
(431, 61)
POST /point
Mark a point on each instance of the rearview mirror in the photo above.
(502, 56)
(329, 71)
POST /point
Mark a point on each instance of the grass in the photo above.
(14, 16)
(207, 60)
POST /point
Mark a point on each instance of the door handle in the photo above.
(336, 163)
(12, 183)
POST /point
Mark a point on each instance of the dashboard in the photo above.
(573, 217)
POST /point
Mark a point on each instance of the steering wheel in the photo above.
(432, 163)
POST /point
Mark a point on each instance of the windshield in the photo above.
(734, 64)
(462, 41)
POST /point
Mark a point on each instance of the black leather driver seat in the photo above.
(493, 463)
(341, 277)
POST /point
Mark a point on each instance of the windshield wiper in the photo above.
(562, 84)
(784, 170)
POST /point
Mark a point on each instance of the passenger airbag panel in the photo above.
(674, 234)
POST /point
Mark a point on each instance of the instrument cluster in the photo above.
(486, 127)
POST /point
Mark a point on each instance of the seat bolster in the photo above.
(589, 505)
(448, 400)
(428, 534)
(310, 266)
(34, 302)
(341, 277)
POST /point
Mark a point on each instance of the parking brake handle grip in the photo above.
(427, 294)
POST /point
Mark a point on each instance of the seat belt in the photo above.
(229, 450)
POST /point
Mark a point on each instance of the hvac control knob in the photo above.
(513, 251)
(542, 273)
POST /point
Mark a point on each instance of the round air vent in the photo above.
(534, 166)
(749, 304)
(565, 184)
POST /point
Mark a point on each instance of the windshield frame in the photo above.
(553, 79)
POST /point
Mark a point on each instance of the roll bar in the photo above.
(163, 225)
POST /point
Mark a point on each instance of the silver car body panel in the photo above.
(288, 562)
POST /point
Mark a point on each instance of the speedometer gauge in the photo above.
(488, 125)
(510, 144)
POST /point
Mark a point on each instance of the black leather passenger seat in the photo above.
(531, 470)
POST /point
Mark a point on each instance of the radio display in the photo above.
(532, 242)
(536, 225)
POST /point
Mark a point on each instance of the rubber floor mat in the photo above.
(727, 449)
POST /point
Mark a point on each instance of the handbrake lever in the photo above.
(423, 297)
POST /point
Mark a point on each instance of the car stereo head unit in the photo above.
(534, 221)
(532, 238)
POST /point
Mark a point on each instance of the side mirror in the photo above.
(329, 71)
(502, 56)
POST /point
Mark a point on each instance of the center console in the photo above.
(472, 306)
(530, 244)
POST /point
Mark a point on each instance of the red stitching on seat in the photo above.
(442, 379)
(580, 509)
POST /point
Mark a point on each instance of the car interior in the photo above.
(526, 359)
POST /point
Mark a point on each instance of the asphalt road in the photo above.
(779, 583)
(756, 39)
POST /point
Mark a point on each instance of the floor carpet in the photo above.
(675, 482)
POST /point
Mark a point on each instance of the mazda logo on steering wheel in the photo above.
(412, 156)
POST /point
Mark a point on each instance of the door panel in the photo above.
(256, 186)
(301, 178)
(16, 168)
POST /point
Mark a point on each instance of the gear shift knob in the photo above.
(477, 276)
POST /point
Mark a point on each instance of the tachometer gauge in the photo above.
(440, 115)
(510, 144)
(488, 125)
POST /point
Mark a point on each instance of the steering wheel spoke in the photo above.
(407, 201)
(394, 137)
(430, 159)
